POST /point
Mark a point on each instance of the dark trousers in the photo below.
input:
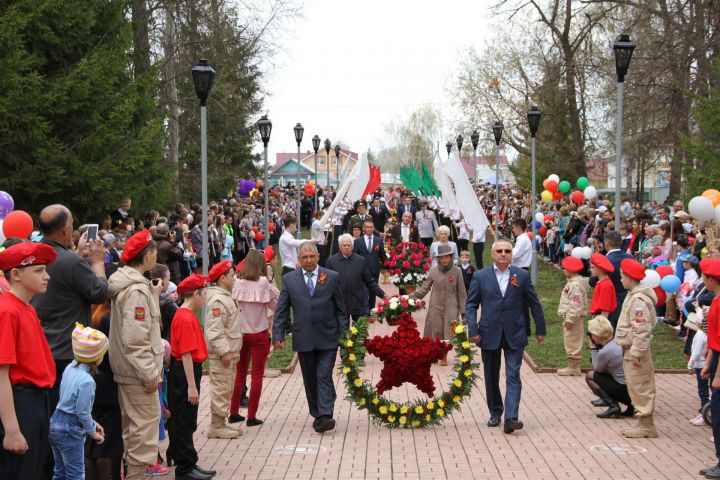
(371, 296)
(462, 245)
(478, 249)
(317, 369)
(715, 406)
(703, 388)
(513, 387)
(615, 390)
(33, 414)
(427, 241)
(337, 231)
(184, 417)
(323, 251)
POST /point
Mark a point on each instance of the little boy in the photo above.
(603, 301)
(572, 308)
(188, 351)
(27, 368)
(467, 269)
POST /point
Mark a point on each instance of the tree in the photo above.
(414, 139)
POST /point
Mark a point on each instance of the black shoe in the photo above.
(709, 469)
(713, 472)
(316, 423)
(512, 425)
(613, 411)
(252, 422)
(205, 472)
(324, 424)
(629, 411)
(244, 402)
(494, 421)
(599, 402)
(235, 418)
(193, 474)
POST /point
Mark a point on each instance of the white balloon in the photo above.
(540, 217)
(702, 209)
(590, 192)
(717, 214)
(577, 252)
(652, 279)
(2, 235)
(555, 178)
(587, 253)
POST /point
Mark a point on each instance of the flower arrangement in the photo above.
(414, 414)
(408, 264)
(391, 309)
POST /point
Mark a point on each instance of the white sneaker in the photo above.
(698, 421)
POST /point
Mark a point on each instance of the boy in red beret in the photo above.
(572, 309)
(188, 352)
(27, 368)
(604, 301)
(711, 278)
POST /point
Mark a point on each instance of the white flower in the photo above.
(408, 277)
(404, 297)
(411, 302)
(373, 311)
(393, 306)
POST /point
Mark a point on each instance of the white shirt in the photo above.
(522, 253)
(478, 235)
(316, 232)
(405, 232)
(502, 278)
(314, 276)
(289, 250)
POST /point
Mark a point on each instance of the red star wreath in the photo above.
(407, 356)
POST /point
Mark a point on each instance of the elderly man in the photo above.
(167, 252)
(405, 231)
(427, 224)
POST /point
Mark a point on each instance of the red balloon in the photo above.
(552, 185)
(664, 270)
(661, 296)
(578, 197)
(549, 217)
(17, 224)
(557, 196)
(271, 227)
(530, 235)
(542, 230)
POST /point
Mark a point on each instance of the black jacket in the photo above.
(354, 278)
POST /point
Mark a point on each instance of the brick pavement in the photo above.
(562, 437)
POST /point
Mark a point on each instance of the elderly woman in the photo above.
(447, 300)
(652, 239)
(443, 235)
(607, 378)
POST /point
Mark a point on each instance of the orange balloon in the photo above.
(545, 184)
(713, 195)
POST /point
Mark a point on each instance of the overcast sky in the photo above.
(349, 67)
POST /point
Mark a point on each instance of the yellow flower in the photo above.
(419, 409)
(362, 402)
(464, 358)
(468, 373)
(457, 399)
(353, 330)
(458, 383)
(441, 403)
(403, 409)
(383, 410)
(403, 420)
(391, 418)
(465, 344)
(427, 417)
(346, 370)
(357, 382)
(459, 329)
(375, 401)
(349, 343)
(415, 423)
(440, 412)
(352, 357)
(430, 405)
(393, 407)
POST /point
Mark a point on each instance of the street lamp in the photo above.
(623, 48)
(497, 132)
(459, 141)
(299, 130)
(475, 139)
(327, 160)
(203, 76)
(533, 117)
(316, 147)
(448, 145)
(337, 167)
(265, 127)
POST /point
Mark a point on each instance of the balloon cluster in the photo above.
(309, 188)
(13, 223)
(706, 207)
(245, 187)
(583, 253)
(555, 189)
(662, 281)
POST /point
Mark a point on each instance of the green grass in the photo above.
(666, 348)
(281, 358)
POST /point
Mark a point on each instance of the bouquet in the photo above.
(408, 264)
(395, 307)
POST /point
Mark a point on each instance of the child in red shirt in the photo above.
(188, 352)
(604, 301)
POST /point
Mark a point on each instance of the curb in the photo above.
(535, 368)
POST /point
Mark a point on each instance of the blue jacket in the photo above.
(375, 258)
(502, 314)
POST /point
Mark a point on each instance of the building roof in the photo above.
(290, 168)
(281, 158)
(468, 163)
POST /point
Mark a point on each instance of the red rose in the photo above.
(406, 244)
(416, 263)
(386, 264)
(428, 260)
(426, 267)
(379, 309)
(406, 265)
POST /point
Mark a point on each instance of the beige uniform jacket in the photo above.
(636, 322)
(574, 301)
(223, 328)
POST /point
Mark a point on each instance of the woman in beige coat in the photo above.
(447, 299)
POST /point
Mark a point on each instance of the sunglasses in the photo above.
(503, 251)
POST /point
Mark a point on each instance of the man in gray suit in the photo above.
(319, 318)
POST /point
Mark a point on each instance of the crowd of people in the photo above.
(136, 291)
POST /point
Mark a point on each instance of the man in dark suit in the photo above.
(319, 318)
(355, 277)
(504, 292)
(379, 214)
(372, 248)
(613, 240)
(406, 206)
(405, 230)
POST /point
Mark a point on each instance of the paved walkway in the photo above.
(562, 437)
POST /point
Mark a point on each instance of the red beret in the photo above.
(572, 264)
(26, 254)
(633, 269)
(601, 261)
(135, 244)
(709, 267)
(219, 270)
(192, 282)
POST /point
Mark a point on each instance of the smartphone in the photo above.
(92, 232)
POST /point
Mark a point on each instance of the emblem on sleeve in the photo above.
(216, 312)
(139, 313)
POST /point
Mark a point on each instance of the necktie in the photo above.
(310, 285)
(369, 243)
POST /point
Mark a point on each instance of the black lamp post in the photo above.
(316, 147)
(533, 117)
(299, 130)
(203, 76)
(265, 127)
(337, 167)
(497, 132)
(459, 141)
(448, 146)
(623, 49)
(475, 139)
(328, 146)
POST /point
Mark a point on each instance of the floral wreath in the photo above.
(413, 414)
